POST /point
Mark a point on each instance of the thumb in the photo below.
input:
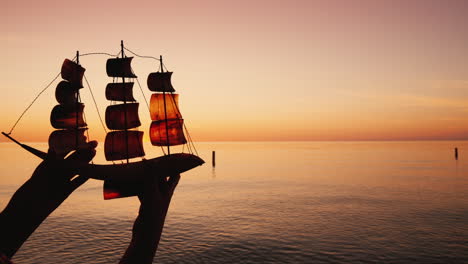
(84, 154)
(77, 182)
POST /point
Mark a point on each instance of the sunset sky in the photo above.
(253, 70)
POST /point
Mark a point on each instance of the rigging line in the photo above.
(86, 128)
(98, 53)
(190, 139)
(189, 148)
(164, 152)
(33, 101)
(141, 89)
(192, 147)
(147, 57)
(147, 105)
(84, 118)
(164, 65)
(95, 104)
(185, 127)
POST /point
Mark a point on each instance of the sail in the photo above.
(73, 72)
(67, 116)
(160, 82)
(120, 91)
(175, 131)
(64, 141)
(115, 146)
(120, 67)
(116, 115)
(65, 94)
(157, 106)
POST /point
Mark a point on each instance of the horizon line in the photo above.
(296, 141)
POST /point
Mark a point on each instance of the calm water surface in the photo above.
(286, 202)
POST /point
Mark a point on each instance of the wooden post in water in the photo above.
(213, 158)
(456, 153)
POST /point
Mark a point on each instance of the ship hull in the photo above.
(127, 179)
(136, 171)
(161, 166)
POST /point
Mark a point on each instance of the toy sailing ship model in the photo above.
(124, 141)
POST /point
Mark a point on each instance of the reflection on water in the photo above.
(320, 202)
(213, 172)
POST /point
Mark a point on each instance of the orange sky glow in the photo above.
(253, 70)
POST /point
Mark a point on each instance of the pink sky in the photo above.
(256, 70)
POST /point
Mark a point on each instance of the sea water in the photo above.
(274, 202)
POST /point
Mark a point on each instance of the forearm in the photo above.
(147, 231)
(21, 217)
(51, 183)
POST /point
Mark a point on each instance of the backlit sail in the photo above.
(67, 116)
(122, 143)
(167, 128)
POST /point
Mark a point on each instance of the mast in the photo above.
(167, 124)
(77, 104)
(123, 142)
(165, 110)
(125, 104)
(67, 117)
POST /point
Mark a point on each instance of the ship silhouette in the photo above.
(124, 142)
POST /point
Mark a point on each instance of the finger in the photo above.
(92, 144)
(162, 180)
(77, 182)
(162, 184)
(84, 154)
(173, 181)
(80, 157)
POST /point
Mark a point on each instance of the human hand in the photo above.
(51, 183)
(55, 176)
(155, 197)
